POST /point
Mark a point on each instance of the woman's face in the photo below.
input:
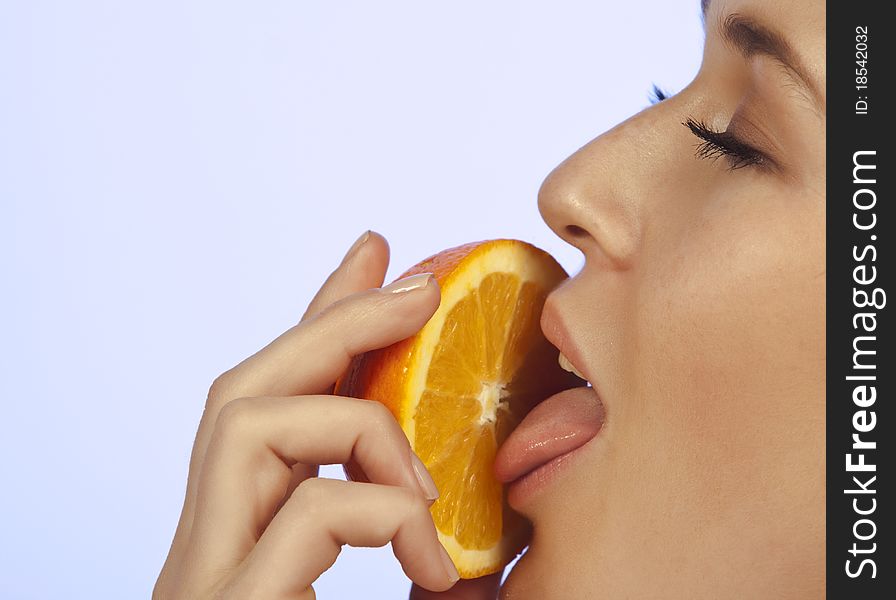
(699, 318)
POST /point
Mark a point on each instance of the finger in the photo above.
(481, 588)
(310, 356)
(353, 472)
(305, 537)
(362, 267)
(257, 440)
(298, 473)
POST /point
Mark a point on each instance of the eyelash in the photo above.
(656, 94)
(716, 144)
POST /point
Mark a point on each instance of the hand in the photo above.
(481, 588)
(257, 521)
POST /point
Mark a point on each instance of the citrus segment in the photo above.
(462, 383)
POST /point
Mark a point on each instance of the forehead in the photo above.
(800, 22)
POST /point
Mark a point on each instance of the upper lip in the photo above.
(557, 333)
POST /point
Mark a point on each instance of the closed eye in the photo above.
(717, 144)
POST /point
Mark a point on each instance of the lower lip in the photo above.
(524, 488)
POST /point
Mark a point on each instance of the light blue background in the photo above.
(178, 178)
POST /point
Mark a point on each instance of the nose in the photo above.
(595, 199)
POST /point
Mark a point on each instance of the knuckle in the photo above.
(416, 506)
(380, 415)
(410, 507)
(380, 436)
(235, 417)
(312, 495)
(220, 392)
(380, 423)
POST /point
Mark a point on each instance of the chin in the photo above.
(526, 581)
(515, 586)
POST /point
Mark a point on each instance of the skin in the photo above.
(699, 315)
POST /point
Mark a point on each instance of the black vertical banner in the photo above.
(861, 372)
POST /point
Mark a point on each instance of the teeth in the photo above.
(567, 366)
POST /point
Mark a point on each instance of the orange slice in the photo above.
(464, 381)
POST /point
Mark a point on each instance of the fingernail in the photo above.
(409, 283)
(453, 575)
(358, 243)
(426, 483)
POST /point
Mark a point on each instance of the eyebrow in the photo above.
(751, 38)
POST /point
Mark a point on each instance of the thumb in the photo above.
(481, 588)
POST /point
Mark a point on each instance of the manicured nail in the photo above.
(409, 283)
(358, 243)
(453, 575)
(426, 483)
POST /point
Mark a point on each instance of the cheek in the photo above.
(731, 329)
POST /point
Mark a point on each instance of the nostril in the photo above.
(576, 231)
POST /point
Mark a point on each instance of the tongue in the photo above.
(557, 425)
